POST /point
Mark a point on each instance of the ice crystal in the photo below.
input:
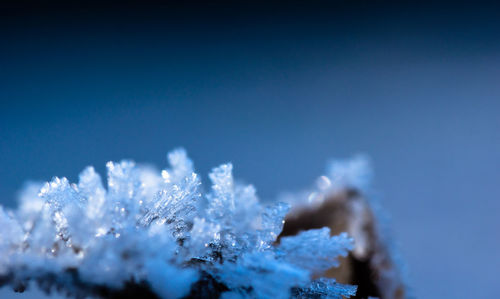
(325, 288)
(318, 258)
(162, 231)
(341, 175)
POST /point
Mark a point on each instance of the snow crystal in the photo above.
(160, 229)
(314, 249)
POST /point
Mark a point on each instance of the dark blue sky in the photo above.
(277, 89)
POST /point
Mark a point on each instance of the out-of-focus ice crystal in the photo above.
(354, 173)
(161, 231)
(314, 249)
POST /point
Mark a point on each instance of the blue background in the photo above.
(277, 89)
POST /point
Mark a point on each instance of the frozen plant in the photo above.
(161, 234)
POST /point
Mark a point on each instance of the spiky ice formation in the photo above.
(162, 232)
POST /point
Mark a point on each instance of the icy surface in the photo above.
(163, 230)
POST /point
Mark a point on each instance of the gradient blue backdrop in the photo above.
(277, 89)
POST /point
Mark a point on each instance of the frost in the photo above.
(326, 288)
(317, 257)
(269, 277)
(341, 175)
(162, 231)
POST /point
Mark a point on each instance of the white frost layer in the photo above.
(161, 228)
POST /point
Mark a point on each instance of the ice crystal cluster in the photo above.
(163, 231)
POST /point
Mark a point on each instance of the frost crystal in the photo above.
(325, 288)
(160, 231)
(321, 256)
